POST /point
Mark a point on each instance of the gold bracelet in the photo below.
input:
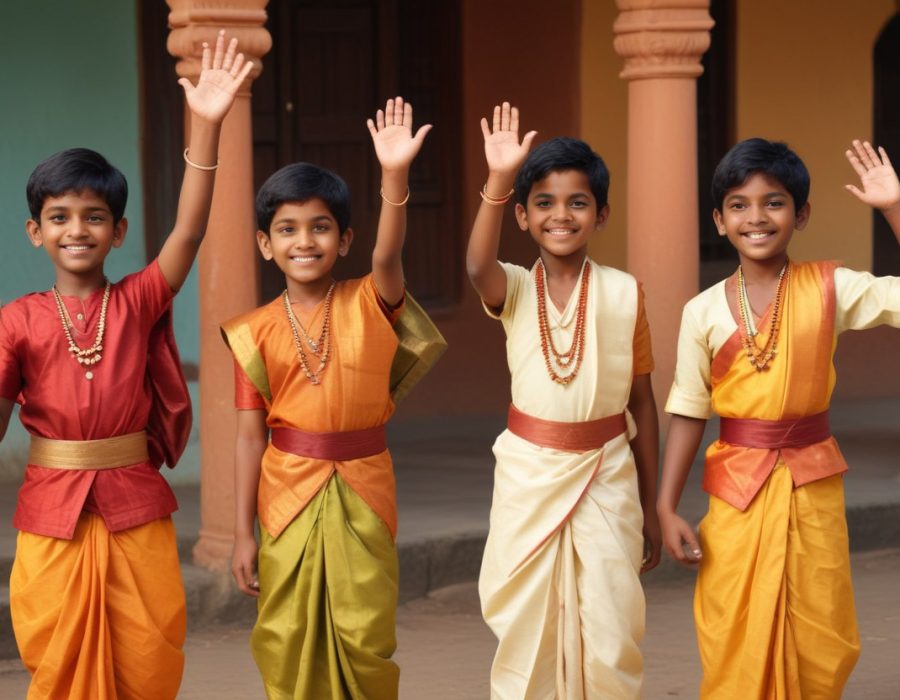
(396, 204)
(197, 165)
(497, 201)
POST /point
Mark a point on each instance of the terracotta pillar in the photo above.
(662, 42)
(227, 264)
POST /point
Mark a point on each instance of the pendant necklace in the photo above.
(319, 348)
(87, 357)
(570, 360)
(761, 357)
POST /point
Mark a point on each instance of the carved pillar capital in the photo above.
(194, 21)
(662, 38)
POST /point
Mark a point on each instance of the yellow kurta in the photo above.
(559, 582)
(774, 600)
(327, 561)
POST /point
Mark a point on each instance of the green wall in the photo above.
(70, 77)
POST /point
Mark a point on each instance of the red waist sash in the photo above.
(335, 447)
(560, 435)
(775, 434)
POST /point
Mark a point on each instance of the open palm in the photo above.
(392, 135)
(880, 187)
(221, 75)
(502, 149)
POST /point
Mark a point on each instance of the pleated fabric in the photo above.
(775, 613)
(327, 605)
(100, 616)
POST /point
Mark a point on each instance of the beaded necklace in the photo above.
(569, 360)
(761, 357)
(318, 348)
(85, 356)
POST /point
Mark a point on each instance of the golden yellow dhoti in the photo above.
(100, 616)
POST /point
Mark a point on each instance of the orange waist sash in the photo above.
(560, 435)
(340, 446)
(775, 434)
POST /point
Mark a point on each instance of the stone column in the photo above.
(227, 264)
(662, 42)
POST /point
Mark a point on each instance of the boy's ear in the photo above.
(602, 217)
(802, 217)
(265, 244)
(719, 221)
(344, 244)
(119, 232)
(33, 231)
(522, 217)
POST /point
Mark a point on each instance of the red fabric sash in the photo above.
(570, 437)
(775, 434)
(341, 446)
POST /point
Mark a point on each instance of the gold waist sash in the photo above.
(107, 453)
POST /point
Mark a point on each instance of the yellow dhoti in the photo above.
(774, 601)
(100, 616)
(327, 605)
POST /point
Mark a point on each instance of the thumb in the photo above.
(528, 139)
(422, 133)
(854, 190)
(187, 85)
(688, 536)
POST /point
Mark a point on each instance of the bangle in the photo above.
(197, 165)
(497, 201)
(396, 204)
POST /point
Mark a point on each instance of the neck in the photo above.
(763, 271)
(82, 286)
(309, 293)
(563, 266)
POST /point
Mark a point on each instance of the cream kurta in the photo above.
(559, 582)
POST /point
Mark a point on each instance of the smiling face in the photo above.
(759, 219)
(305, 241)
(561, 213)
(77, 231)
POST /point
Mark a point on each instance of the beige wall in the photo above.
(804, 75)
(604, 117)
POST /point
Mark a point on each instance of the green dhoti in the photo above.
(327, 604)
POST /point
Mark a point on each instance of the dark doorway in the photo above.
(333, 63)
(886, 132)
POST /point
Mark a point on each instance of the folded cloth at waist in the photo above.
(775, 434)
(336, 447)
(76, 455)
(561, 435)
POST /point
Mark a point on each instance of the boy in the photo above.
(95, 592)
(313, 367)
(774, 601)
(559, 582)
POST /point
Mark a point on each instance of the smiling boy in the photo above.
(96, 598)
(774, 604)
(574, 485)
(312, 385)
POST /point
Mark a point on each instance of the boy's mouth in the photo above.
(76, 247)
(757, 235)
(560, 231)
(304, 259)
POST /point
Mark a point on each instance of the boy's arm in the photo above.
(504, 155)
(252, 438)
(645, 447)
(880, 187)
(6, 407)
(682, 443)
(209, 102)
(396, 148)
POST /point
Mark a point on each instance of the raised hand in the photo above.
(880, 187)
(221, 75)
(502, 149)
(395, 145)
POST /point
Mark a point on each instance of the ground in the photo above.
(445, 649)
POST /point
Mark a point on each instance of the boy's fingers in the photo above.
(873, 156)
(379, 119)
(245, 71)
(514, 120)
(407, 115)
(422, 133)
(230, 54)
(496, 119)
(206, 57)
(389, 113)
(371, 126)
(862, 154)
(884, 157)
(529, 137)
(186, 84)
(236, 64)
(504, 117)
(854, 190)
(220, 50)
(485, 129)
(854, 161)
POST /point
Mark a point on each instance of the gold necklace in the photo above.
(319, 348)
(85, 356)
(761, 357)
(575, 353)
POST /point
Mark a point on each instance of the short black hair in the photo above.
(770, 158)
(77, 170)
(557, 155)
(300, 182)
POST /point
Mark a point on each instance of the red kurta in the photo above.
(58, 402)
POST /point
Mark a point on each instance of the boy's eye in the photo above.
(775, 203)
(542, 203)
(95, 218)
(321, 228)
(579, 203)
(736, 205)
(285, 230)
(57, 218)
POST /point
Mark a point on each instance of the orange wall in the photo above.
(539, 72)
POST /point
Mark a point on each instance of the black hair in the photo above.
(77, 170)
(300, 182)
(770, 158)
(557, 155)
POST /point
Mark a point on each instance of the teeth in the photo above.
(76, 247)
(303, 258)
(559, 231)
(757, 235)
